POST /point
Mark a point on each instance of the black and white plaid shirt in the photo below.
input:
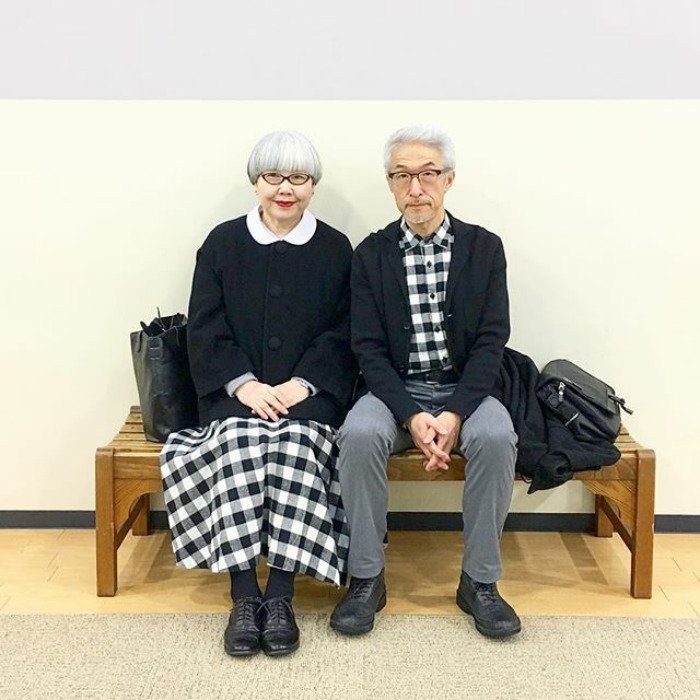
(427, 262)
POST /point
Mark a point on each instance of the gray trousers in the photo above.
(370, 434)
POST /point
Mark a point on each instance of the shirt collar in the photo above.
(442, 235)
(300, 234)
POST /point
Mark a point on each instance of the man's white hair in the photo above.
(287, 151)
(422, 133)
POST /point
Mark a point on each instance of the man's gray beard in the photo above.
(419, 218)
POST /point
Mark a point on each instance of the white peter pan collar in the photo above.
(299, 235)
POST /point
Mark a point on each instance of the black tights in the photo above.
(244, 584)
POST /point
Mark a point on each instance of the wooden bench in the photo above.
(127, 471)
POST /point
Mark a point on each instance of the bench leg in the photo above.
(643, 534)
(141, 525)
(603, 526)
(105, 525)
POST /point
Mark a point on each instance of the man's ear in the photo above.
(449, 179)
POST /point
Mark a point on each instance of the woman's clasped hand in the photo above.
(271, 402)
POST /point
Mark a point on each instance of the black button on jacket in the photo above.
(277, 310)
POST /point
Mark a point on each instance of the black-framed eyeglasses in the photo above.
(293, 179)
(403, 179)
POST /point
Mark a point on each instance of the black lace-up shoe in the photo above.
(280, 634)
(355, 612)
(493, 617)
(242, 635)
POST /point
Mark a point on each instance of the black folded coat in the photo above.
(548, 452)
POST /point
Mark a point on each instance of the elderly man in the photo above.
(429, 324)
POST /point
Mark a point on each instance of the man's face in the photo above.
(419, 202)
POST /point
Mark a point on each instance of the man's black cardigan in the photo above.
(476, 316)
(277, 310)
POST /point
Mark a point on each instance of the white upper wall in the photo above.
(105, 203)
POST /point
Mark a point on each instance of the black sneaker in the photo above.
(493, 617)
(242, 635)
(280, 634)
(354, 614)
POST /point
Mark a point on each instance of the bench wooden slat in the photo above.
(132, 431)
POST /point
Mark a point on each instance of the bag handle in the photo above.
(161, 322)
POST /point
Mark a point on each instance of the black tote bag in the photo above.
(166, 392)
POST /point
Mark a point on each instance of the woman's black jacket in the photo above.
(277, 310)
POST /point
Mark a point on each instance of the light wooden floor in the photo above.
(52, 571)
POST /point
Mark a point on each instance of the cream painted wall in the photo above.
(104, 204)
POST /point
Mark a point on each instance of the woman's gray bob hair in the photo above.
(284, 151)
(422, 133)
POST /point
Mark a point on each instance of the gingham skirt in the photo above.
(242, 487)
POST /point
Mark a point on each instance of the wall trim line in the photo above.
(516, 522)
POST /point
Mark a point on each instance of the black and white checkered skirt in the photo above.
(242, 487)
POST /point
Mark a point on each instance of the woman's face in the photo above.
(283, 204)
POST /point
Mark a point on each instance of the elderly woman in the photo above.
(268, 340)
